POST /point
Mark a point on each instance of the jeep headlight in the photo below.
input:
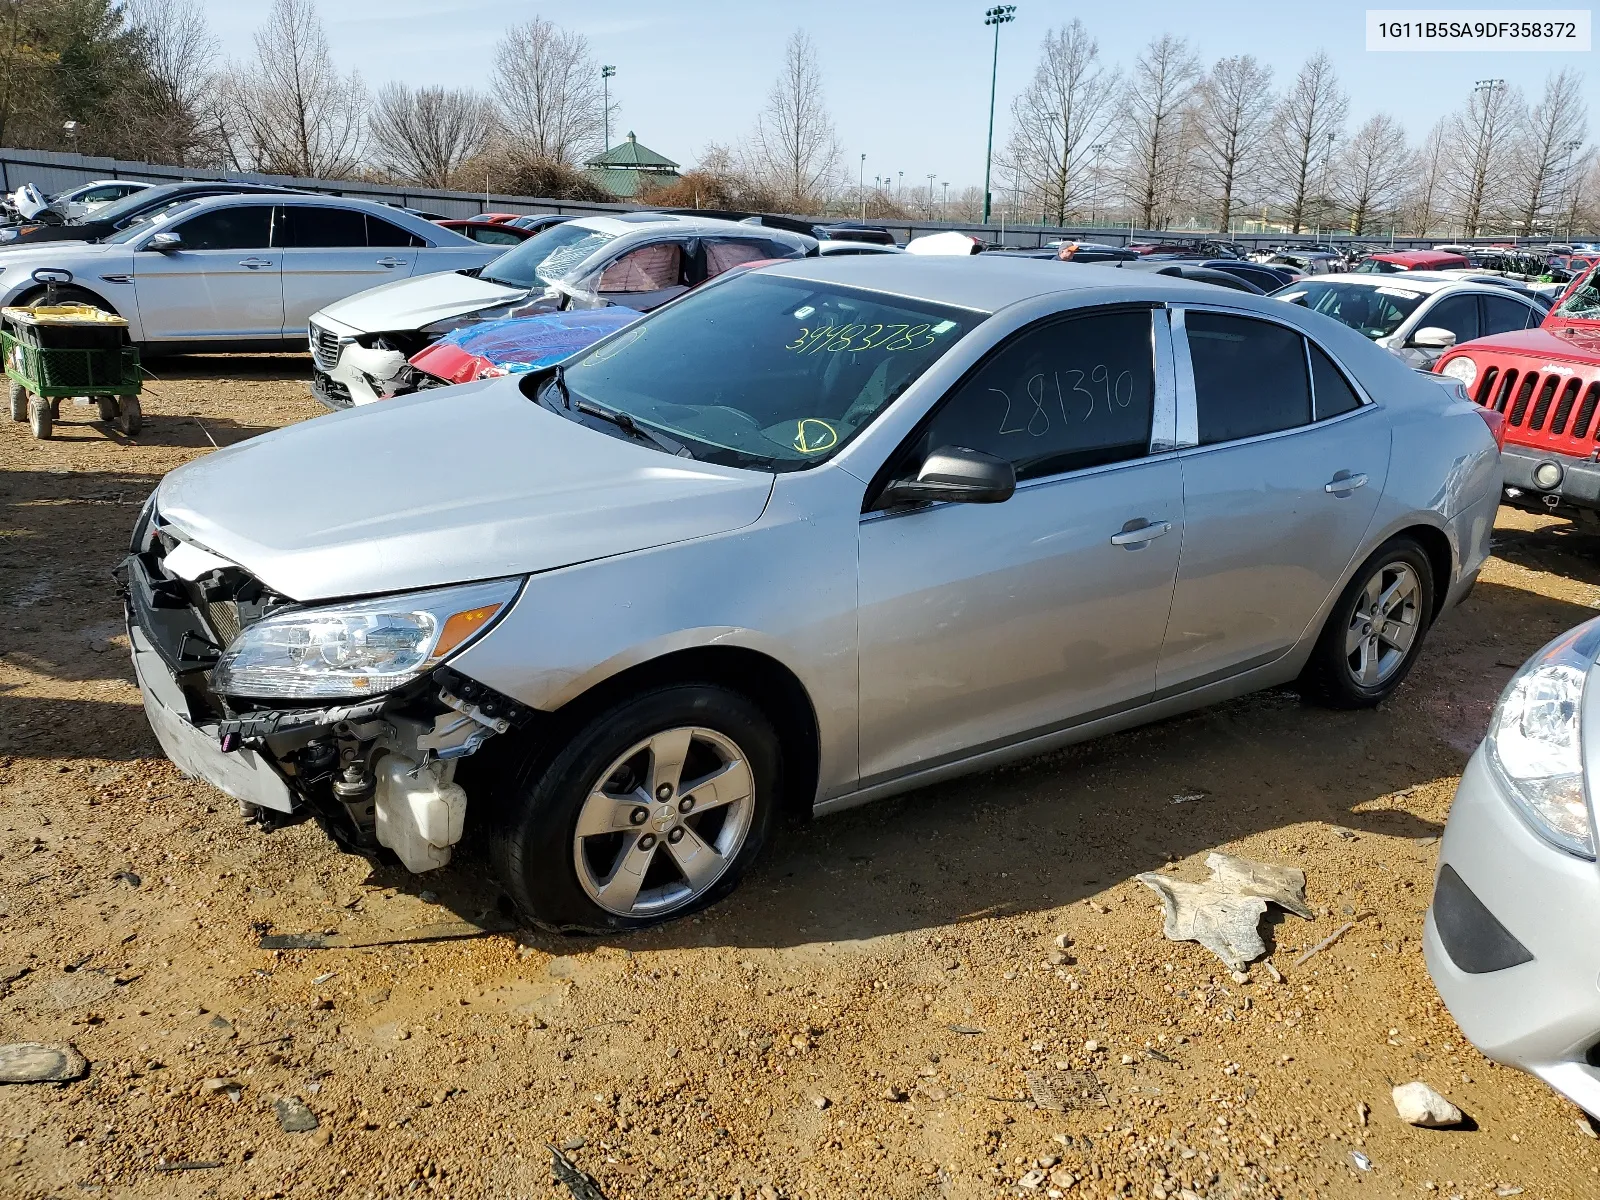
(1461, 367)
(361, 649)
(1535, 742)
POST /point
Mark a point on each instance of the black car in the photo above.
(851, 231)
(1267, 278)
(140, 206)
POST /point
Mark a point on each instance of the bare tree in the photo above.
(1154, 101)
(1552, 133)
(1067, 110)
(1423, 202)
(1234, 112)
(548, 86)
(180, 53)
(1481, 130)
(795, 147)
(293, 113)
(1308, 121)
(425, 134)
(1371, 169)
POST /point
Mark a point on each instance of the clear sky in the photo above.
(907, 80)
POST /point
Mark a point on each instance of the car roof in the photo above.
(625, 223)
(1411, 281)
(396, 216)
(988, 282)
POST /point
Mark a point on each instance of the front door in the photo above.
(1277, 495)
(984, 623)
(330, 253)
(224, 283)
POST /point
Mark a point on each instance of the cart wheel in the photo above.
(108, 408)
(132, 419)
(19, 401)
(40, 417)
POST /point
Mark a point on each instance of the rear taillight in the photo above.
(1496, 421)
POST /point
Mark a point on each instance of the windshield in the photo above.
(767, 372)
(1582, 303)
(116, 211)
(1374, 311)
(141, 224)
(546, 257)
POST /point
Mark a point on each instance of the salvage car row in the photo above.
(816, 529)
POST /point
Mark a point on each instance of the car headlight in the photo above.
(360, 649)
(1462, 368)
(1535, 742)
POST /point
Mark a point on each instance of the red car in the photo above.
(1391, 262)
(490, 233)
(1545, 384)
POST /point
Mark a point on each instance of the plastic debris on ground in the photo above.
(1223, 914)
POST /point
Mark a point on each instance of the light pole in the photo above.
(861, 185)
(1570, 148)
(899, 186)
(1000, 15)
(1099, 148)
(1323, 209)
(606, 72)
(932, 175)
(945, 208)
(1480, 154)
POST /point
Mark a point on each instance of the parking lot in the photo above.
(856, 1020)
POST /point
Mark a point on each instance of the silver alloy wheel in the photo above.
(1384, 625)
(665, 821)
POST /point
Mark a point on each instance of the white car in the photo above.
(635, 260)
(1413, 316)
(78, 202)
(239, 272)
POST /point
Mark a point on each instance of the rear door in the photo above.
(1281, 477)
(647, 276)
(224, 283)
(1507, 314)
(328, 254)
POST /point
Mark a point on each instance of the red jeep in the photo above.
(1545, 382)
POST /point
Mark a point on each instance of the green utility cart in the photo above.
(53, 351)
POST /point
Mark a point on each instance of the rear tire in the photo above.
(1375, 631)
(131, 419)
(603, 807)
(19, 401)
(40, 417)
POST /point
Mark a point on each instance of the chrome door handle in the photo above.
(1344, 485)
(1145, 533)
(255, 263)
(391, 262)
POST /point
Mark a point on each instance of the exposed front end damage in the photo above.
(378, 774)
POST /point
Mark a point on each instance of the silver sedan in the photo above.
(811, 535)
(1509, 938)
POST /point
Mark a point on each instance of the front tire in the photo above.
(653, 809)
(1375, 632)
(131, 417)
(41, 417)
(19, 401)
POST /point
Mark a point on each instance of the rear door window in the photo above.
(324, 228)
(723, 254)
(1502, 314)
(387, 233)
(242, 227)
(1249, 377)
(647, 269)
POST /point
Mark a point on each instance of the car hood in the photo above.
(20, 256)
(1563, 343)
(413, 303)
(445, 486)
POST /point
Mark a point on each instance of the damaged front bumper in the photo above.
(378, 775)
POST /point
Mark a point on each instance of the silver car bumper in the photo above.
(1510, 941)
(195, 751)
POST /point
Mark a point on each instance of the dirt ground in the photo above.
(856, 1021)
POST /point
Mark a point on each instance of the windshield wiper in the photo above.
(561, 385)
(629, 426)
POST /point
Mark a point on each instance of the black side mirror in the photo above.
(955, 475)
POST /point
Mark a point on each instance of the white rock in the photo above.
(1032, 1179)
(1419, 1104)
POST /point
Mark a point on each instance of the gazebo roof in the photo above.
(630, 155)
